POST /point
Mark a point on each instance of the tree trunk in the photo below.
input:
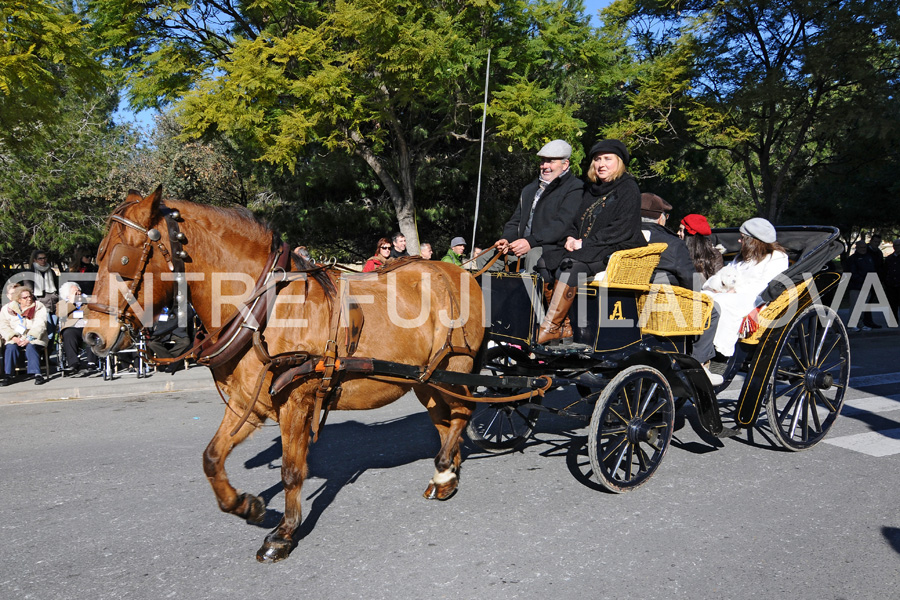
(404, 203)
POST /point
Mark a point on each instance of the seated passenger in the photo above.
(70, 310)
(695, 232)
(736, 288)
(169, 338)
(675, 265)
(545, 211)
(676, 268)
(609, 219)
(23, 325)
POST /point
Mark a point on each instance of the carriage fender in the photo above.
(687, 378)
(762, 363)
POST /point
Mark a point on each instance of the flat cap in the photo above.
(611, 147)
(652, 206)
(695, 224)
(760, 229)
(555, 149)
(457, 241)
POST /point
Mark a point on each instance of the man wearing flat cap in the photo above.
(675, 265)
(546, 208)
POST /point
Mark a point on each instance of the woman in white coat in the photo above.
(736, 288)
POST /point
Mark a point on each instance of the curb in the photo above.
(60, 388)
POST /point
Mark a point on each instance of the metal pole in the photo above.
(487, 76)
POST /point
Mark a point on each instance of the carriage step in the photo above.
(564, 349)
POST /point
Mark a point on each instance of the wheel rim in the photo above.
(631, 428)
(806, 391)
(502, 426)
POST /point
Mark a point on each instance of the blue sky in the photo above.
(144, 119)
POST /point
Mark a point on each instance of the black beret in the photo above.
(610, 147)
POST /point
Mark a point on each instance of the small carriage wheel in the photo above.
(502, 426)
(812, 369)
(631, 428)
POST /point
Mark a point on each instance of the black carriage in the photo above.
(632, 358)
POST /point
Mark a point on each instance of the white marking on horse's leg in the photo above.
(442, 477)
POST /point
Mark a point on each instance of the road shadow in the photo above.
(342, 454)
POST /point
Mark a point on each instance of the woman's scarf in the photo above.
(28, 313)
(43, 280)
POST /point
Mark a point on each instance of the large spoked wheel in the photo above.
(807, 388)
(631, 428)
(502, 426)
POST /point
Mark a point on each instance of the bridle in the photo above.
(130, 263)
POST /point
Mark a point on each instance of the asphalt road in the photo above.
(105, 498)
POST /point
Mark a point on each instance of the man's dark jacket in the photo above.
(554, 214)
(675, 265)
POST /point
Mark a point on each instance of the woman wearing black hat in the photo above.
(609, 219)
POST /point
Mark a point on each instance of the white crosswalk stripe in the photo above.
(875, 443)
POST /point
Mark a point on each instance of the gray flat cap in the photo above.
(760, 229)
(556, 149)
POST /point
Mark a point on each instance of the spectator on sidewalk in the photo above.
(399, 245)
(891, 278)
(860, 264)
(169, 338)
(70, 310)
(455, 252)
(381, 256)
(425, 251)
(23, 326)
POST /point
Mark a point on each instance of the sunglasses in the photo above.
(385, 247)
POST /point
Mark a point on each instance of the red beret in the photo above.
(696, 225)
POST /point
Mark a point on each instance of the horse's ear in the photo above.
(147, 210)
(133, 197)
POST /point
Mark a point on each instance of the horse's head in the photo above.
(139, 261)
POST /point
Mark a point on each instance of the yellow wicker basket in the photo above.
(633, 268)
(670, 310)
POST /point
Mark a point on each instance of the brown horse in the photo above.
(410, 315)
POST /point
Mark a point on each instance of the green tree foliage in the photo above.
(54, 190)
(397, 84)
(44, 56)
(772, 92)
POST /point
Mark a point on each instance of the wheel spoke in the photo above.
(822, 341)
(813, 409)
(788, 389)
(802, 342)
(648, 396)
(613, 447)
(787, 407)
(825, 401)
(827, 354)
(812, 337)
(801, 408)
(643, 459)
(629, 463)
(659, 405)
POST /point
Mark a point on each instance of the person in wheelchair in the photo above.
(736, 288)
(70, 310)
(170, 338)
(609, 219)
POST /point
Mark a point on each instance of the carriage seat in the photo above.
(663, 309)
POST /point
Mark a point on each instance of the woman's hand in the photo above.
(572, 244)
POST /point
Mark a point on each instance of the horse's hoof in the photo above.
(274, 550)
(252, 508)
(441, 491)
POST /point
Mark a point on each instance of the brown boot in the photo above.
(566, 326)
(552, 327)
